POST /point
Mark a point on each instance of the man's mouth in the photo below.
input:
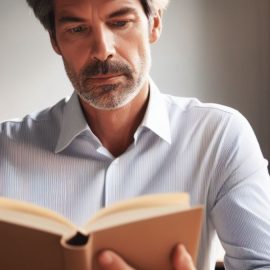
(104, 77)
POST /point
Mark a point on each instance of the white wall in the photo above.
(31, 74)
(217, 50)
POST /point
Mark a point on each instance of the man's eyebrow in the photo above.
(121, 12)
(117, 13)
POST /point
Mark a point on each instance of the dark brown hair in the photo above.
(43, 10)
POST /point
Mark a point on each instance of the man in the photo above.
(118, 137)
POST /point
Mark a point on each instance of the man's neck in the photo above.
(115, 128)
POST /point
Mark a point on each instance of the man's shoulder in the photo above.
(194, 105)
(48, 118)
(187, 112)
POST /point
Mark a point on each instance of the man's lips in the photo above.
(102, 77)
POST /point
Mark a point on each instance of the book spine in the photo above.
(76, 257)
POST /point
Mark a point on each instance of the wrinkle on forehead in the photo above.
(71, 7)
(70, 3)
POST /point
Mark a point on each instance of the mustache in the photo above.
(106, 67)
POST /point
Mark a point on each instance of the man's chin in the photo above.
(106, 103)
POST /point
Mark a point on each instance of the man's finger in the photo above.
(108, 260)
(181, 259)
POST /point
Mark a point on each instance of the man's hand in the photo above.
(181, 260)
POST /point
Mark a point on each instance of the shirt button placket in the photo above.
(111, 182)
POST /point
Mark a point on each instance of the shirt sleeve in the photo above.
(241, 209)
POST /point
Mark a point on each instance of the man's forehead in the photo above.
(80, 7)
(93, 2)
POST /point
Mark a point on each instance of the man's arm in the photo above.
(240, 208)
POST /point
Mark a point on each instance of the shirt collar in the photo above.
(156, 116)
(73, 123)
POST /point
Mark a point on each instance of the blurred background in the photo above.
(216, 50)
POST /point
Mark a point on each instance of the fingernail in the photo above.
(182, 248)
(105, 258)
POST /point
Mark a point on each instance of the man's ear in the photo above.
(54, 43)
(155, 26)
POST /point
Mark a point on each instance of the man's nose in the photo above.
(103, 45)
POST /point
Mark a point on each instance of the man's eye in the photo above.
(78, 29)
(119, 24)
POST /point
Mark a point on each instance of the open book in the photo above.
(143, 230)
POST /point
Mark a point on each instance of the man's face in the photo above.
(105, 48)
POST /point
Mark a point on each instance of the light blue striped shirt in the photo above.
(53, 159)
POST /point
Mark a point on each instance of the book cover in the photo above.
(143, 230)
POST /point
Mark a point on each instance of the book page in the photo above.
(150, 202)
(134, 215)
(31, 215)
(36, 223)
